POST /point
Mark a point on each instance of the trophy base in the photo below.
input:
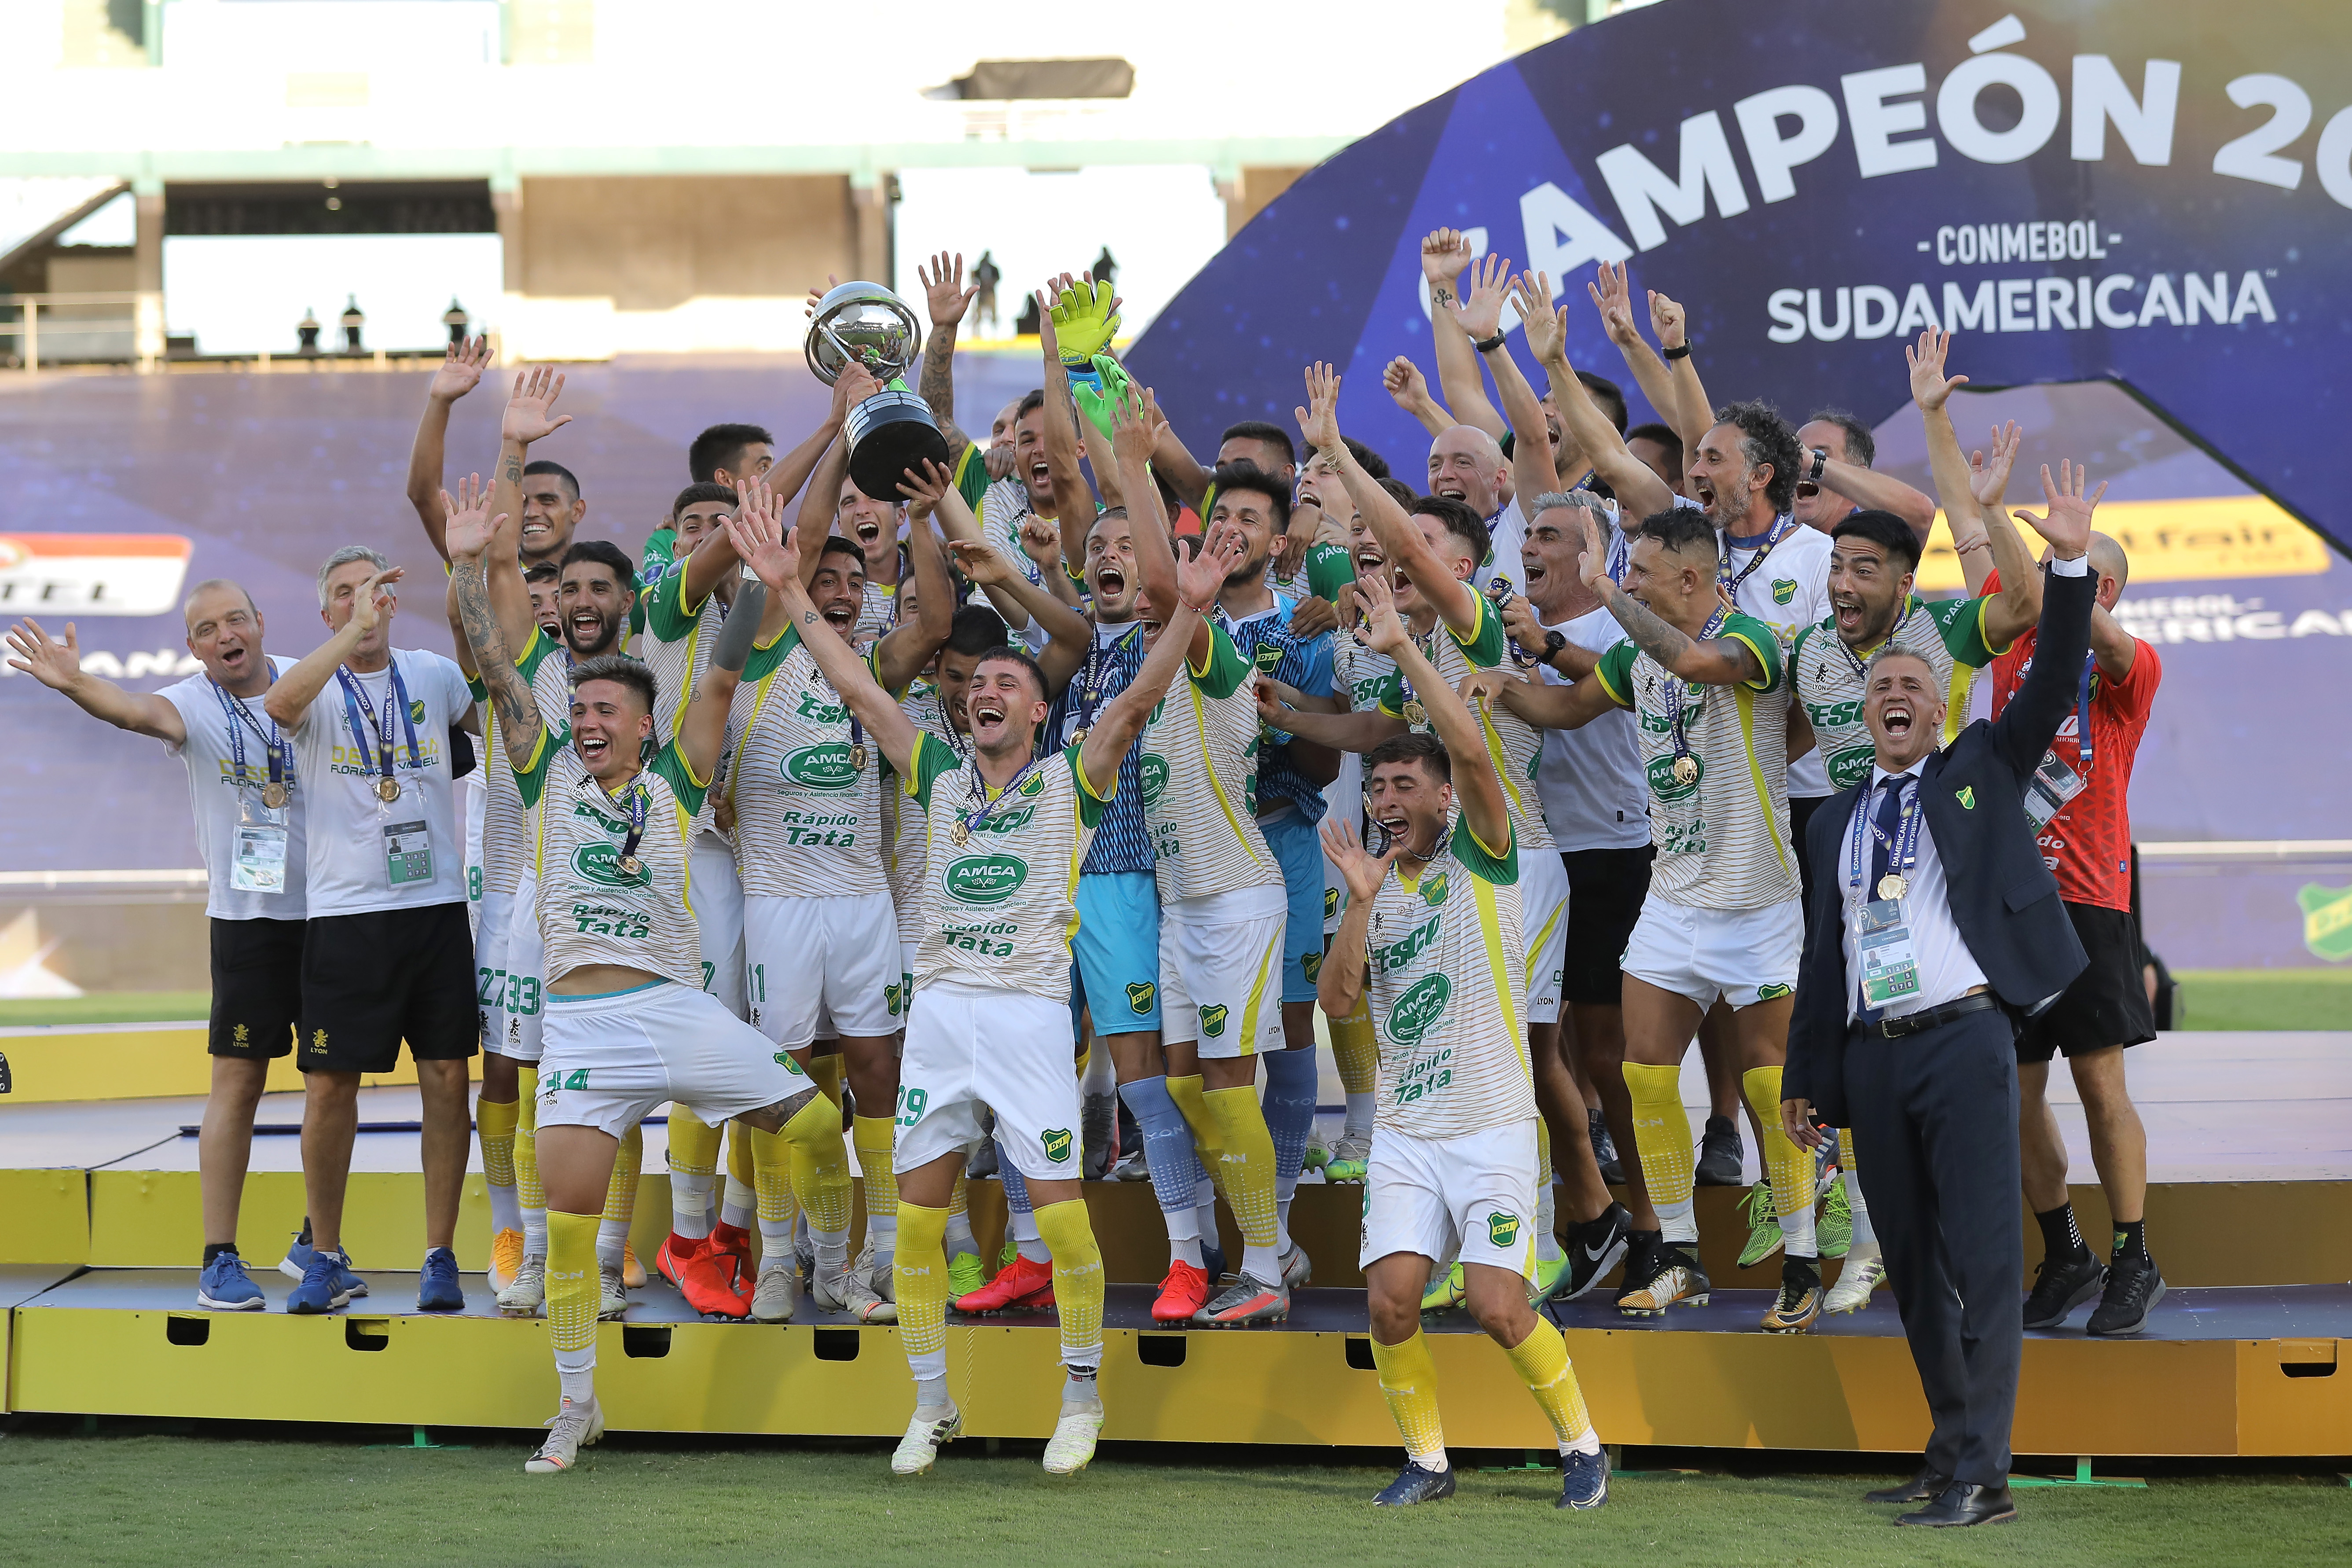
(890, 432)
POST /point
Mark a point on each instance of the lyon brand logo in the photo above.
(1418, 1010)
(822, 767)
(986, 878)
(600, 862)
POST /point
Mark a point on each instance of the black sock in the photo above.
(2059, 1236)
(1807, 1269)
(2131, 1240)
(215, 1248)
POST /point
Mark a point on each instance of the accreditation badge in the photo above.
(1890, 961)
(407, 853)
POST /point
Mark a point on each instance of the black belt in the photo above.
(1920, 1023)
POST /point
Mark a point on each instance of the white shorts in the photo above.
(1744, 956)
(1473, 1197)
(718, 897)
(814, 962)
(1220, 972)
(522, 1013)
(1343, 801)
(490, 911)
(1010, 1050)
(611, 1061)
(474, 794)
(1543, 906)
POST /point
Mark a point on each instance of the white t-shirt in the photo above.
(1788, 592)
(210, 752)
(1506, 536)
(350, 870)
(1590, 779)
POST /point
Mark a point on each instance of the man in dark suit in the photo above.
(1936, 925)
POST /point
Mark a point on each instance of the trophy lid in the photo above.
(866, 322)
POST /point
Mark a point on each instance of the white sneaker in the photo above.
(527, 1297)
(615, 1297)
(922, 1445)
(778, 1289)
(879, 1275)
(845, 1292)
(1072, 1443)
(575, 1427)
(1862, 1273)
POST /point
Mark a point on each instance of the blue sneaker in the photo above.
(296, 1265)
(322, 1288)
(224, 1286)
(1583, 1479)
(1414, 1485)
(438, 1289)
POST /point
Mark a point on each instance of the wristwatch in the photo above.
(1553, 643)
(1821, 460)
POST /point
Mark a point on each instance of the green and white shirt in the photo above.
(1199, 781)
(902, 817)
(1947, 633)
(591, 909)
(1513, 745)
(1723, 839)
(676, 646)
(807, 789)
(999, 908)
(1446, 969)
(506, 825)
(1324, 572)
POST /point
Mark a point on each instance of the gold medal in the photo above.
(1892, 886)
(959, 834)
(387, 789)
(1686, 770)
(1414, 713)
(273, 795)
(1079, 735)
(630, 865)
(857, 757)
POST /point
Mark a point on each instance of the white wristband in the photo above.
(2079, 566)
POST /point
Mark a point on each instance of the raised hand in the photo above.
(462, 364)
(1614, 301)
(374, 599)
(1531, 298)
(1989, 474)
(853, 386)
(55, 665)
(1666, 319)
(1318, 422)
(1095, 402)
(2068, 525)
(470, 527)
(1929, 385)
(1378, 626)
(1480, 313)
(944, 289)
(1444, 252)
(816, 296)
(767, 546)
(1363, 871)
(982, 563)
(1593, 560)
(1403, 381)
(925, 490)
(1041, 541)
(1085, 318)
(1200, 578)
(527, 417)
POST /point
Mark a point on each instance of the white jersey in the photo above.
(1360, 676)
(1788, 589)
(507, 829)
(225, 794)
(1513, 745)
(594, 906)
(1722, 835)
(1506, 538)
(1828, 677)
(877, 613)
(363, 853)
(902, 816)
(806, 782)
(1199, 781)
(1446, 970)
(999, 906)
(1590, 779)
(677, 647)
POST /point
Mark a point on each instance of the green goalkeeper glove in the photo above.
(1098, 391)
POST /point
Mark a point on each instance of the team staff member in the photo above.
(1934, 924)
(388, 955)
(1432, 933)
(249, 809)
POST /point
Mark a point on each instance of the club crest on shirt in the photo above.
(1502, 1229)
(415, 710)
(1784, 590)
(1139, 997)
(1268, 658)
(1312, 964)
(1433, 891)
(1056, 1140)
(1966, 796)
(1213, 1019)
(1774, 993)
(1331, 902)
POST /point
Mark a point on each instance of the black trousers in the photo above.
(1935, 1124)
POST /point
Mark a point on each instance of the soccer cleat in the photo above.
(1445, 1292)
(1793, 1312)
(1297, 1268)
(1594, 1248)
(1021, 1285)
(1414, 1485)
(1720, 1153)
(707, 1285)
(982, 1164)
(225, 1287)
(879, 1276)
(612, 1296)
(321, 1289)
(778, 1290)
(965, 1275)
(1183, 1294)
(527, 1297)
(1835, 1229)
(1860, 1274)
(1604, 1149)
(845, 1292)
(730, 1254)
(632, 1273)
(1546, 1279)
(670, 1258)
(575, 1427)
(2134, 1284)
(1073, 1442)
(1318, 1153)
(296, 1265)
(926, 1436)
(1763, 1225)
(1132, 1167)
(1351, 1158)
(1677, 1278)
(506, 1259)
(438, 1289)
(2061, 1285)
(1249, 1300)
(1583, 1479)
(1212, 1262)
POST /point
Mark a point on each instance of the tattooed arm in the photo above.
(472, 534)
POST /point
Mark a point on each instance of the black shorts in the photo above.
(2107, 1004)
(369, 981)
(256, 987)
(1801, 812)
(1605, 889)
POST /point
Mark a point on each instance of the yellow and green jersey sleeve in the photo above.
(1091, 799)
(1503, 870)
(972, 481)
(1761, 642)
(1227, 668)
(1485, 645)
(933, 757)
(667, 614)
(1961, 622)
(1329, 570)
(670, 765)
(531, 773)
(1615, 671)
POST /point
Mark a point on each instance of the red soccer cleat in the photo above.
(1021, 1285)
(705, 1278)
(1184, 1292)
(730, 1250)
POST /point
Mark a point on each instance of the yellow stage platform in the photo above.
(136, 1061)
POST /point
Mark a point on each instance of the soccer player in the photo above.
(388, 954)
(1431, 935)
(249, 809)
(628, 1024)
(1005, 833)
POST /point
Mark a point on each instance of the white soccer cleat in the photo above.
(527, 1297)
(845, 1292)
(926, 1434)
(1072, 1443)
(1862, 1273)
(612, 1296)
(575, 1427)
(778, 1291)
(879, 1275)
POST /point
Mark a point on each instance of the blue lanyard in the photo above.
(633, 805)
(979, 816)
(2083, 712)
(1680, 689)
(1902, 851)
(395, 696)
(239, 717)
(1097, 672)
(1783, 526)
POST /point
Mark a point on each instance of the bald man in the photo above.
(1467, 465)
(248, 811)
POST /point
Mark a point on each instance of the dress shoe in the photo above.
(1925, 1486)
(1964, 1502)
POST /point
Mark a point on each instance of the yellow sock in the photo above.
(959, 1203)
(1357, 1049)
(742, 1158)
(1409, 1383)
(693, 1144)
(1791, 1167)
(771, 1178)
(621, 1198)
(496, 1125)
(529, 1193)
(573, 1291)
(1662, 1138)
(1186, 1092)
(820, 1164)
(1846, 1160)
(1541, 1360)
(1245, 1153)
(873, 1136)
(825, 1073)
(1077, 1280)
(921, 1272)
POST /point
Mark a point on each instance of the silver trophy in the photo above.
(891, 431)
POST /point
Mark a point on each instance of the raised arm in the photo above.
(1639, 491)
(1069, 632)
(528, 417)
(2030, 723)
(289, 701)
(2019, 604)
(949, 298)
(1340, 982)
(57, 666)
(1135, 419)
(1404, 382)
(473, 534)
(905, 650)
(2115, 648)
(1690, 411)
(1614, 303)
(1475, 788)
(702, 732)
(1443, 254)
(1931, 391)
(1480, 316)
(1074, 503)
(461, 369)
(1123, 718)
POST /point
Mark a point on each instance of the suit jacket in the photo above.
(2003, 897)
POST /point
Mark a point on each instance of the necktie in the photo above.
(1887, 820)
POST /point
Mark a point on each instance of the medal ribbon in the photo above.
(1783, 526)
(1902, 850)
(395, 696)
(1680, 688)
(240, 718)
(980, 816)
(634, 804)
(2083, 712)
(1097, 671)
